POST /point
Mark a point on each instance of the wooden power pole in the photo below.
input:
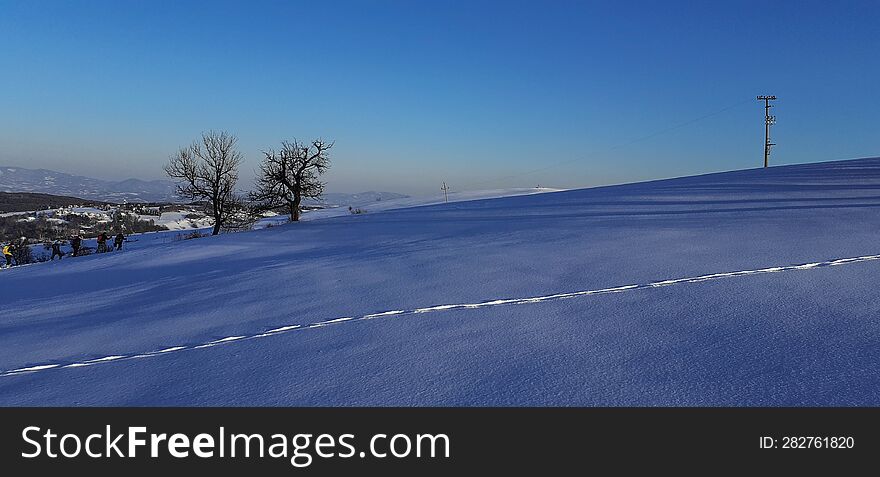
(768, 121)
(445, 190)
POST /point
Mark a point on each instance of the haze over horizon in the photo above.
(478, 94)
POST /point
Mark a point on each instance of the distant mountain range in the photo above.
(43, 181)
(20, 179)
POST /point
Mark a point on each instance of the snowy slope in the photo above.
(361, 198)
(370, 206)
(609, 296)
(179, 225)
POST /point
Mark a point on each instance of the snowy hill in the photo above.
(754, 287)
(19, 179)
(361, 198)
(390, 202)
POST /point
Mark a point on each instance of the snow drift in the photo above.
(446, 304)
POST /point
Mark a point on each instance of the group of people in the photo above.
(103, 239)
(75, 245)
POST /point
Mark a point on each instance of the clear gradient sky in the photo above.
(476, 93)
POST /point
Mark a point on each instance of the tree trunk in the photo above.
(294, 209)
(218, 214)
(291, 209)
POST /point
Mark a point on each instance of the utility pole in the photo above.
(445, 190)
(768, 121)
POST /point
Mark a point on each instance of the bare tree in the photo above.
(291, 175)
(208, 172)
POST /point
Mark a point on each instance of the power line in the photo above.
(618, 146)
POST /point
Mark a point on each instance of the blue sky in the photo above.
(478, 94)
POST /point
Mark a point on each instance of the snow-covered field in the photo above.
(754, 287)
(181, 224)
(368, 207)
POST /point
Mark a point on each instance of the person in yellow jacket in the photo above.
(7, 254)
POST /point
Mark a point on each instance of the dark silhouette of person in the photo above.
(56, 250)
(102, 243)
(75, 244)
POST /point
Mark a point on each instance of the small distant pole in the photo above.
(768, 121)
(445, 190)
